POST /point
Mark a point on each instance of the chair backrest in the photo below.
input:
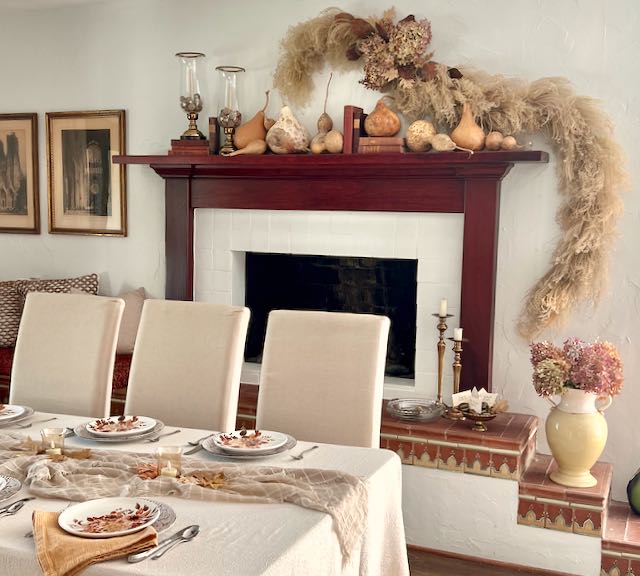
(186, 363)
(63, 361)
(322, 376)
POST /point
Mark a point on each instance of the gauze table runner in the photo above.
(110, 473)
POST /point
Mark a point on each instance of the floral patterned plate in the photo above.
(249, 441)
(109, 517)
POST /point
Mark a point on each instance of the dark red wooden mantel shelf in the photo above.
(434, 182)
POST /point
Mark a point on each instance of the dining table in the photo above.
(237, 538)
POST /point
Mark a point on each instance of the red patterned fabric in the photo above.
(120, 370)
(6, 360)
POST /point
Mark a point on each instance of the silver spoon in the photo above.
(13, 509)
(301, 455)
(14, 506)
(157, 438)
(188, 533)
(35, 422)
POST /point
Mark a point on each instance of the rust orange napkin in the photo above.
(62, 554)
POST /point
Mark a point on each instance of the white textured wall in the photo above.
(120, 55)
(482, 523)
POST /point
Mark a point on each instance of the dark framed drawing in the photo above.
(19, 206)
(87, 192)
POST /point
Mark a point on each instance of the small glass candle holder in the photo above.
(190, 93)
(53, 440)
(169, 459)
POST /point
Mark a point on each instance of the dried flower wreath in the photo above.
(396, 60)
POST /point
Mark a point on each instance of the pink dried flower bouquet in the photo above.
(592, 367)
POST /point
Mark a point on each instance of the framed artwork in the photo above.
(19, 206)
(87, 192)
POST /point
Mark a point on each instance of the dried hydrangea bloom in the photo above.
(409, 39)
(598, 370)
(550, 376)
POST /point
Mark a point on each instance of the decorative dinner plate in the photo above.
(210, 446)
(249, 441)
(82, 432)
(8, 487)
(10, 411)
(120, 426)
(166, 518)
(109, 517)
(14, 418)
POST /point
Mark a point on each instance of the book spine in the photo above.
(368, 149)
(214, 135)
(351, 129)
(358, 128)
(347, 130)
(381, 141)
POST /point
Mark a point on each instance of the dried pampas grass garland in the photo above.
(591, 163)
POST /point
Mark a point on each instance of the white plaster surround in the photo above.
(477, 516)
(222, 237)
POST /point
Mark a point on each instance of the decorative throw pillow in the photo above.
(88, 284)
(133, 302)
(11, 304)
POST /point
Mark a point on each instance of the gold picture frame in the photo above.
(87, 191)
(19, 189)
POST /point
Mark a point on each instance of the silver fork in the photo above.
(301, 455)
(198, 441)
(157, 438)
(35, 422)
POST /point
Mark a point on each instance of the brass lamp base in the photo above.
(228, 146)
(192, 133)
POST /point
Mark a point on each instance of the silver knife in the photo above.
(179, 535)
(13, 504)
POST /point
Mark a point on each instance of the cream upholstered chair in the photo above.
(63, 361)
(322, 376)
(186, 363)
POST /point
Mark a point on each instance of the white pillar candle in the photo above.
(443, 307)
(457, 334)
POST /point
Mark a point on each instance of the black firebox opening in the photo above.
(385, 286)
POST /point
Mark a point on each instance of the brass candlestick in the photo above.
(457, 365)
(455, 413)
(442, 327)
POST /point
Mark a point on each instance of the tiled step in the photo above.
(545, 504)
(621, 541)
(503, 451)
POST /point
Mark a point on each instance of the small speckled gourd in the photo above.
(419, 136)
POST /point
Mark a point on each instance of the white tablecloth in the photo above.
(245, 539)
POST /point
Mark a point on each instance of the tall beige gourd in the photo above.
(468, 134)
(287, 135)
(252, 130)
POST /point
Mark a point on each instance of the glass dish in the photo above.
(415, 409)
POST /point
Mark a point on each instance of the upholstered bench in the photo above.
(119, 385)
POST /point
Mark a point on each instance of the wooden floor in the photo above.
(423, 564)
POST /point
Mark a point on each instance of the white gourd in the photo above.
(287, 135)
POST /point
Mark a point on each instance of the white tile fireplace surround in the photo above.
(222, 237)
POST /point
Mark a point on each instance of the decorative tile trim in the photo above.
(560, 515)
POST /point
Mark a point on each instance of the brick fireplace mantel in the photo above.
(444, 182)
